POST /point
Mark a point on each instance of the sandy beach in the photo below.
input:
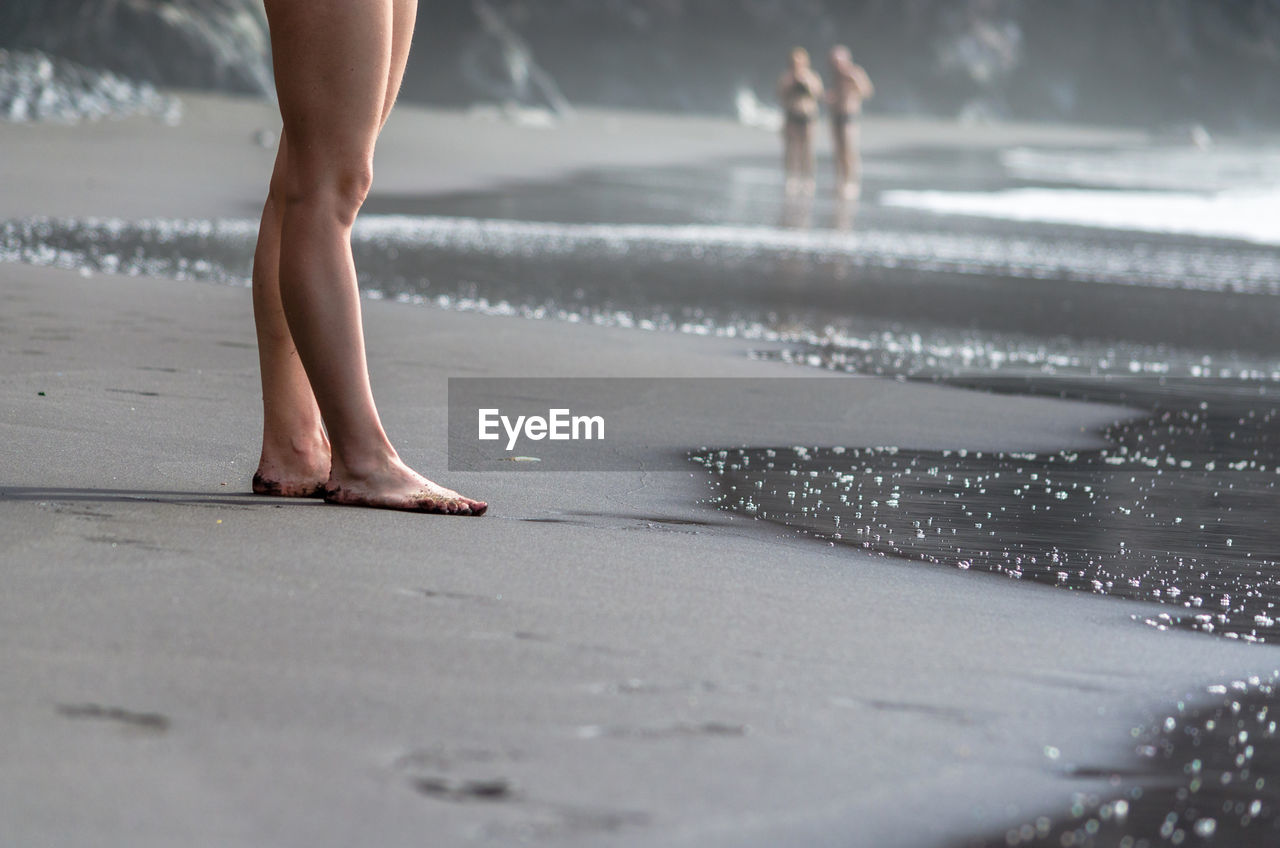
(603, 659)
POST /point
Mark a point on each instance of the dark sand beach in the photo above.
(607, 657)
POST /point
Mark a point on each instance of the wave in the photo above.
(1121, 263)
(1116, 262)
(38, 87)
(1165, 168)
(1244, 214)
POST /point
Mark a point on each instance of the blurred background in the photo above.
(1146, 63)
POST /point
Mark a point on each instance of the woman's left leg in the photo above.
(294, 461)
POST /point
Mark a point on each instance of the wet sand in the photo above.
(599, 660)
(1200, 774)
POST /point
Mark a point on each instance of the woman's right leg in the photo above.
(333, 60)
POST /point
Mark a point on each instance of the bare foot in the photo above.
(286, 488)
(400, 487)
(293, 472)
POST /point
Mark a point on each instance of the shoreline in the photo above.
(626, 675)
(212, 165)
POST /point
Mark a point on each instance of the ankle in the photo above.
(309, 449)
(365, 464)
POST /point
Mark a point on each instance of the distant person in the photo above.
(850, 85)
(799, 91)
(338, 67)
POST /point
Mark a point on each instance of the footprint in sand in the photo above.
(152, 722)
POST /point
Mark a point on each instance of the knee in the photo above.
(340, 184)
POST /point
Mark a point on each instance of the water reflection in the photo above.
(1203, 774)
(797, 211)
(844, 213)
(1181, 508)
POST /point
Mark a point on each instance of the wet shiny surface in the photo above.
(1205, 773)
(1181, 508)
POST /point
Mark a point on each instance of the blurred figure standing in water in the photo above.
(799, 90)
(850, 85)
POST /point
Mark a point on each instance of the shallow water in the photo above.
(1181, 508)
(1204, 773)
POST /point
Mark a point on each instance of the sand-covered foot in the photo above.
(283, 487)
(296, 466)
(298, 474)
(401, 489)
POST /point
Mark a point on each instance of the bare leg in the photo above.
(840, 151)
(403, 13)
(798, 156)
(295, 450)
(845, 156)
(807, 155)
(338, 64)
(789, 156)
(295, 454)
(855, 157)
